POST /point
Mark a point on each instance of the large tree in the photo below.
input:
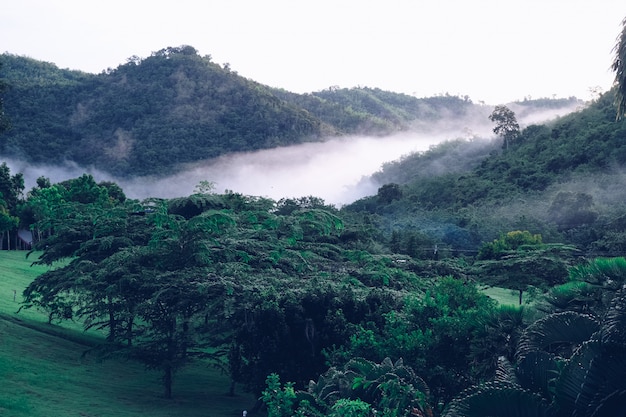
(506, 124)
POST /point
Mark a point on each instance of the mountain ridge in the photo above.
(154, 115)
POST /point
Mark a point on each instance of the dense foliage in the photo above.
(150, 115)
(562, 180)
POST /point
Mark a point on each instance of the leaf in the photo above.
(558, 333)
(497, 400)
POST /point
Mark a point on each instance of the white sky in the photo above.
(491, 50)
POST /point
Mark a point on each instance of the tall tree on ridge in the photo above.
(506, 124)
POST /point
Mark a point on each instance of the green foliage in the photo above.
(566, 364)
(351, 408)
(542, 266)
(534, 185)
(569, 210)
(4, 121)
(510, 241)
(495, 337)
(151, 115)
(591, 287)
(389, 192)
(279, 400)
(205, 187)
(494, 399)
(437, 328)
(387, 388)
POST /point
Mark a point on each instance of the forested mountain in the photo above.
(150, 115)
(563, 179)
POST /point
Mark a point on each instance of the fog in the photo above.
(337, 170)
(333, 170)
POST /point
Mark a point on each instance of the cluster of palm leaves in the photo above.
(568, 363)
(387, 388)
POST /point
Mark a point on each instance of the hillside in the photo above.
(563, 179)
(150, 115)
(51, 372)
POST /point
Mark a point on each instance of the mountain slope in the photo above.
(151, 115)
(147, 115)
(563, 179)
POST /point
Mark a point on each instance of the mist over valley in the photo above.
(159, 125)
(337, 169)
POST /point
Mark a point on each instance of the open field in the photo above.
(504, 296)
(44, 372)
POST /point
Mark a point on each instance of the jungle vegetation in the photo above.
(375, 308)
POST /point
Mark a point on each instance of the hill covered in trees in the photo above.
(563, 179)
(150, 115)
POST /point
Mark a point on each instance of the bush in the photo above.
(508, 242)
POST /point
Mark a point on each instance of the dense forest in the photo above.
(377, 308)
(152, 115)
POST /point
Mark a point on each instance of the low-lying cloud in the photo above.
(330, 170)
(337, 170)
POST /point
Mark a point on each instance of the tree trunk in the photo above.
(167, 381)
(129, 331)
(112, 323)
(520, 296)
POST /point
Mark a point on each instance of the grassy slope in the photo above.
(44, 373)
(503, 296)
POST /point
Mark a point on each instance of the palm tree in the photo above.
(619, 67)
(391, 387)
(567, 364)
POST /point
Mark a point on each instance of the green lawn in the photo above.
(44, 373)
(504, 296)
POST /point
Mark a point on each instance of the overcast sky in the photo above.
(494, 51)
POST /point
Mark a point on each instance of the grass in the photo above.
(504, 296)
(44, 372)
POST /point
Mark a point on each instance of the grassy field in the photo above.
(503, 296)
(44, 373)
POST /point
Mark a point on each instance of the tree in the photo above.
(619, 67)
(508, 242)
(204, 187)
(7, 223)
(11, 187)
(389, 192)
(359, 388)
(506, 124)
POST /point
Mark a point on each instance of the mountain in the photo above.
(563, 179)
(150, 116)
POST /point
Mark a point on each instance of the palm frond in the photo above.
(558, 333)
(538, 372)
(505, 372)
(593, 375)
(497, 400)
(614, 323)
